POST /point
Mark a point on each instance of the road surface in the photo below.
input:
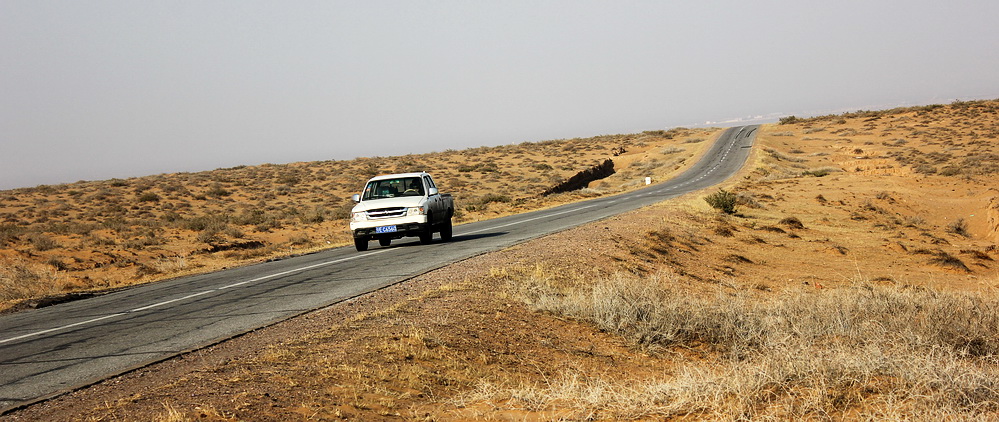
(49, 351)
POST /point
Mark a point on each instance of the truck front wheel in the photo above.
(427, 233)
(361, 244)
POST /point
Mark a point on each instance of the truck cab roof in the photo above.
(400, 175)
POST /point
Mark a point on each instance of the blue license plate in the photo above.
(386, 229)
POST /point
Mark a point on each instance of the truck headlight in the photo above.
(358, 216)
(416, 211)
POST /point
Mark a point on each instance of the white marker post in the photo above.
(648, 180)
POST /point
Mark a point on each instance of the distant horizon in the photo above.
(117, 89)
(729, 122)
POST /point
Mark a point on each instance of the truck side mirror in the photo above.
(356, 197)
(433, 191)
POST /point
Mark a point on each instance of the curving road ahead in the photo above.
(52, 350)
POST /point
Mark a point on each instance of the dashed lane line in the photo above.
(336, 261)
(190, 296)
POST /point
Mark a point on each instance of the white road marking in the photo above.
(190, 296)
(308, 267)
(61, 328)
(527, 220)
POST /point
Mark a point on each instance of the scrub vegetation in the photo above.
(868, 292)
(101, 235)
(866, 350)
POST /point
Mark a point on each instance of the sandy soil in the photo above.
(103, 235)
(824, 202)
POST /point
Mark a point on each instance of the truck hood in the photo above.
(402, 201)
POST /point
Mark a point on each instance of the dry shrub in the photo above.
(861, 351)
(947, 260)
(792, 222)
(21, 279)
(9, 233)
(722, 200)
(959, 227)
(42, 242)
(784, 157)
(300, 239)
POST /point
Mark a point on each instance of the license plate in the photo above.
(386, 229)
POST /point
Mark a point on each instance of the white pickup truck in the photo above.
(399, 205)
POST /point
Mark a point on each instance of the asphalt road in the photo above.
(49, 351)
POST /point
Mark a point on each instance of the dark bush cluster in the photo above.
(722, 200)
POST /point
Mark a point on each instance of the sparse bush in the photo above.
(913, 221)
(724, 230)
(250, 217)
(117, 224)
(979, 255)
(42, 242)
(289, 179)
(792, 222)
(947, 260)
(218, 191)
(493, 197)
(959, 227)
(234, 232)
(268, 224)
(784, 157)
(914, 352)
(787, 120)
(747, 199)
(149, 197)
(314, 216)
(143, 242)
(950, 171)
(300, 239)
(342, 212)
(8, 232)
(209, 236)
(20, 279)
(171, 265)
(815, 173)
(722, 200)
(57, 263)
(215, 223)
(95, 240)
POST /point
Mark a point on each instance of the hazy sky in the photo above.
(99, 89)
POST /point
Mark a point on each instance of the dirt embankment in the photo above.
(993, 218)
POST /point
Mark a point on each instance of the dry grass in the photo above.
(864, 351)
(20, 279)
(149, 228)
(672, 312)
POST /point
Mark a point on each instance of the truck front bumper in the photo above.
(405, 226)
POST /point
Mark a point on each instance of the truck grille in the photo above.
(386, 212)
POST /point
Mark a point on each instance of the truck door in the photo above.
(433, 201)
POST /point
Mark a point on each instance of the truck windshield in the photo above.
(391, 188)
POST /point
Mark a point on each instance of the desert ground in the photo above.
(854, 280)
(67, 241)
